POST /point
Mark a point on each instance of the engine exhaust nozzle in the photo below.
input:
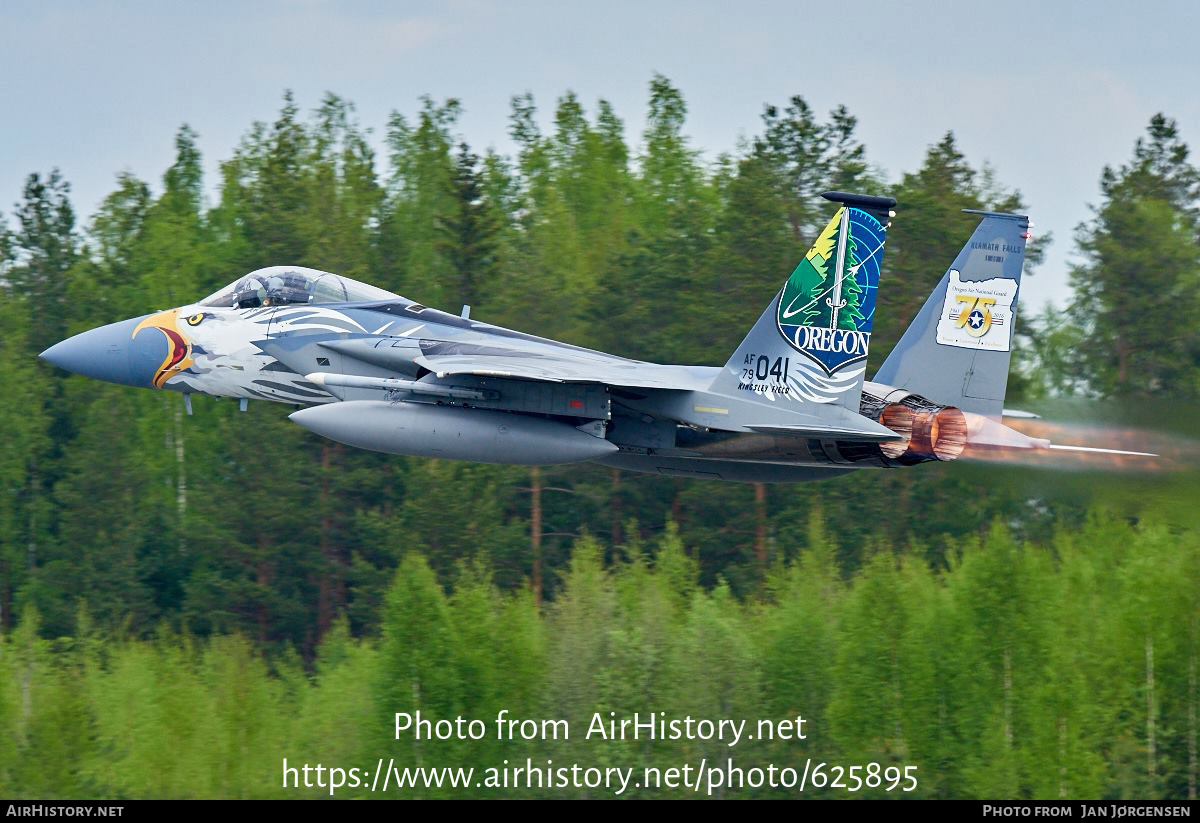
(940, 433)
(899, 418)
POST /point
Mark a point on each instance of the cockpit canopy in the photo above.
(288, 285)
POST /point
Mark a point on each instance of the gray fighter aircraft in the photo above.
(380, 372)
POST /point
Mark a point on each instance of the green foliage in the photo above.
(47, 245)
(1136, 288)
(925, 241)
(647, 251)
(186, 600)
(1021, 672)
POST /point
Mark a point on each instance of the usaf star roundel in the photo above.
(827, 305)
(977, 314)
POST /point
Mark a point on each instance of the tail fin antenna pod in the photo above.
(957, 350)
(810, 344)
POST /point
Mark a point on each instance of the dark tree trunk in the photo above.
(535, 529)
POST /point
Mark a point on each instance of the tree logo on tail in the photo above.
(827, 305)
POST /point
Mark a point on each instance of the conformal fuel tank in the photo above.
(426, 430)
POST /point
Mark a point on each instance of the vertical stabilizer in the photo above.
(810, 345)
(957, 350)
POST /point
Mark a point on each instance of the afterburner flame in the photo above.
(949, 434)
(1077, 446)
(940, 433)
(898, 418)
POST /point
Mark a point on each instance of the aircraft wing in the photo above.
(542, 363)
(555, 369)
(386, 360)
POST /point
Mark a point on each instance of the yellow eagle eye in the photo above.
(195, 319)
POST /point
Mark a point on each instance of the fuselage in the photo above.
(378, 371)
(405, 378)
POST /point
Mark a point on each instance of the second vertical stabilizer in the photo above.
(957, 350)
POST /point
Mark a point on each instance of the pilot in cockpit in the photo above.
(290, 285)
(250, 293)
(276, 289)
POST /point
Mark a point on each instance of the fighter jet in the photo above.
(377, 371)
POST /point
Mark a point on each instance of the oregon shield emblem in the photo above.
(827, 305)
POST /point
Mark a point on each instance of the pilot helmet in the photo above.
(249, 293)
(274, 291)
(288, 287)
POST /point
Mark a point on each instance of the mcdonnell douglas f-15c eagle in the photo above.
(381, 372)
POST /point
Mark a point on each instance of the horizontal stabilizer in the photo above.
(827, 433)
(987, 433)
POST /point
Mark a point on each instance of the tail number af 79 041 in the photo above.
(763, 373)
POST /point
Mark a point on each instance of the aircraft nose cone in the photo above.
(110, 353)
